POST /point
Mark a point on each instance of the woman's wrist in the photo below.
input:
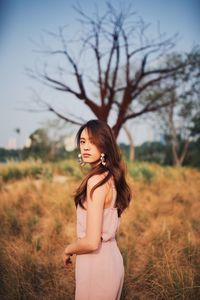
(68, 252)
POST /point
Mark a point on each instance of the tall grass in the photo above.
(158, 236)
(35, 169)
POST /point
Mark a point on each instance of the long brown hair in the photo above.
(104, 139)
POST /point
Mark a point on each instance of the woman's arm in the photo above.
(95, 207)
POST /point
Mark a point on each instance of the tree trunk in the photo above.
(131, 144)
(176, 161)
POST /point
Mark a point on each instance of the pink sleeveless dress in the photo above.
(100, 274)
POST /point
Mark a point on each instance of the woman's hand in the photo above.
(66, 258)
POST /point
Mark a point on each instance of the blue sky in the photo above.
(22, 20)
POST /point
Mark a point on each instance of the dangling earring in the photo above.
(103, 160)
(81, 162)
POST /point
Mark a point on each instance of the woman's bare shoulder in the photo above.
(95, 179)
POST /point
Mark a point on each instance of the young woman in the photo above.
(100, 200)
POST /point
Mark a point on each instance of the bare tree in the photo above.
(176, 120)
(174, 132)
(18, 131)
(117, 45)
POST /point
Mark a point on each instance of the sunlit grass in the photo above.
(158, 236)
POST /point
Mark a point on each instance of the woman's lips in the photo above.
(86, 155)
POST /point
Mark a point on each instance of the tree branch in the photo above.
(146, 109)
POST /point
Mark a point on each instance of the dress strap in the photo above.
(113, 194)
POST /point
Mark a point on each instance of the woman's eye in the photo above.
(82, 142)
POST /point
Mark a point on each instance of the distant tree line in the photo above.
(161, 153)
(158, 152)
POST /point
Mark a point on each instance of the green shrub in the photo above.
(141, 172)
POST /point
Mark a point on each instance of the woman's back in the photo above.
(111, 220)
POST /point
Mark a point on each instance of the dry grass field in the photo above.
(159, 236)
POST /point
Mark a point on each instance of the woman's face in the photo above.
(89, 151)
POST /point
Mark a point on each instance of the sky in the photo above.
(24, 21)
